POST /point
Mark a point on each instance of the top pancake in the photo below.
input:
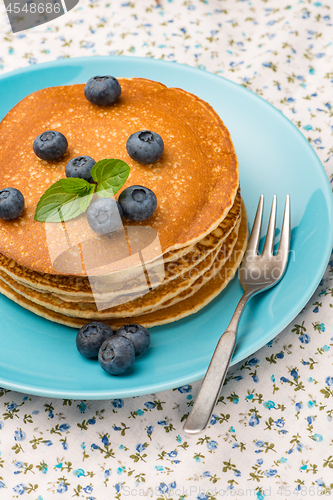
(195, 180)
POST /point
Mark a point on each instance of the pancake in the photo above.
(78, 288)
(127, 306)
(182, 309)
(184, 271)
(224, 228)
(195, 180)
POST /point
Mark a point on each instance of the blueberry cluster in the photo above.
(115, 351)
(144, 146)
(136, 203)
(52, 145)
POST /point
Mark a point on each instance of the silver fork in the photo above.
(257, 273)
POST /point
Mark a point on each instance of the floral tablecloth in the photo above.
(271, 434)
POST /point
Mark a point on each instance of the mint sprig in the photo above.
(68, 198)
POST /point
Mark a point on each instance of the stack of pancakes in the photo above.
(67, 273)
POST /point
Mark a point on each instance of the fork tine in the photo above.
(252, 246)
(269, 241)
(285, 233)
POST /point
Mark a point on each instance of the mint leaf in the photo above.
(57, 205)
(111, 175)
(76, 185)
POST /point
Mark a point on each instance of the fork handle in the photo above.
(212, 384)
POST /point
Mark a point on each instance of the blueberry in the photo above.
(102, 90)
(138, 335)
(11, 203)
(138, 203)
(145, 146)
(80, 167)
(116, 355)
(104, 215)
(90, 338)
(50, 145)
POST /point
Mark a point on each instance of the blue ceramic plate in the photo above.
(40, 357)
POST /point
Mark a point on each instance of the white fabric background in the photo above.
(271, 433)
